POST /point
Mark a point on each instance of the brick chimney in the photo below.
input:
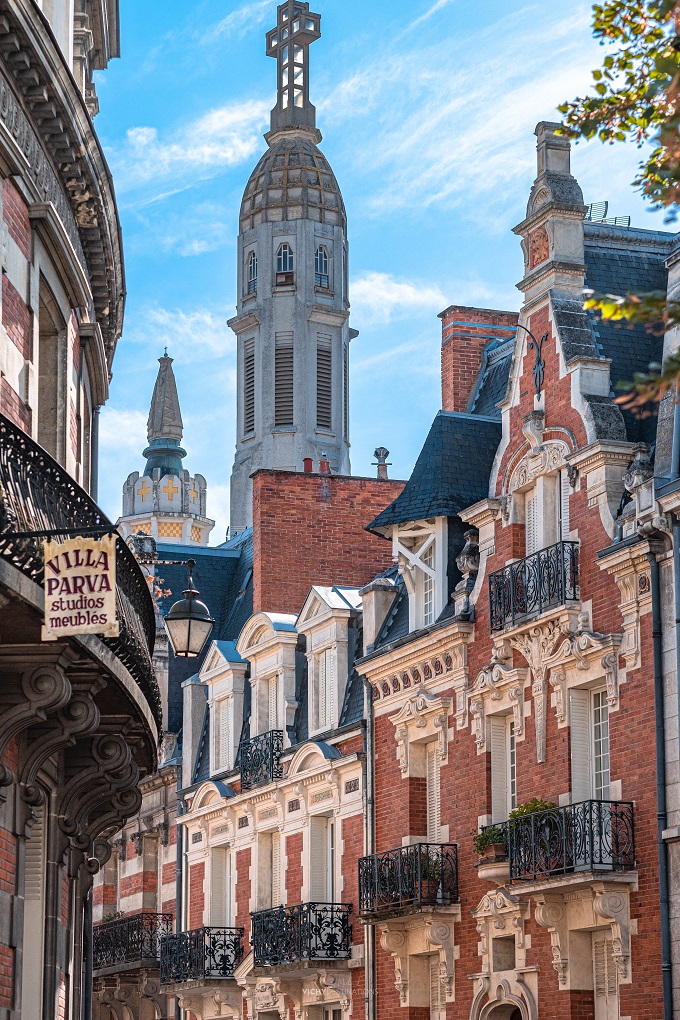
(465, 333)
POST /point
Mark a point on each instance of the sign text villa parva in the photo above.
(80, 587)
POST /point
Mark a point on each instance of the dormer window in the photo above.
(321, 278)
(421, 551)
(285, 274)
(324, 690)
(546, 512)
(252, 273)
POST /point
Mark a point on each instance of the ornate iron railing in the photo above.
(129, 939)
(36, 494)
(261, 759)
(200, 953)
(528, 587)
(308, 931)
(425, 874)
(594, 835)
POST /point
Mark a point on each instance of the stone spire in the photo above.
(164, 427)
(166, 501)
(165, 418)
(296, 29)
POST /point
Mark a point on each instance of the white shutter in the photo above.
(580, 745)
(318, 860)
(437, 1000)
(34, 883)
(225, 741)
(273, 702)
(433, 794)
(329, 684)
(605, 979)
(34, 915)
(321, 690)
(499, 767)
(218, 887)
(530, 521)
(276, 869)
(565, 489)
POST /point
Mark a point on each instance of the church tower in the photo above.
(165, 502)
(292, 322)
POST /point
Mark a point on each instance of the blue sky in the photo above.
(427, 110)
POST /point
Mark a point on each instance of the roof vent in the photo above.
(381, 455)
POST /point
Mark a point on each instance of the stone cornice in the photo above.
(439, 655)
(596, 455)
(56, 151)
(240, 323)
(545, 212)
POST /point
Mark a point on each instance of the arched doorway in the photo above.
(505, 1011)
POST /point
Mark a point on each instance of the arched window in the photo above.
(284, 265)
(321, 267)
(252, 273)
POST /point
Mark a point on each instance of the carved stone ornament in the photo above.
(543, 459)
(535, 645)
(613, 907)
(550, 914)
(585, 651)
(422, 717)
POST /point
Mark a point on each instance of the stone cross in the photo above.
(296, 29)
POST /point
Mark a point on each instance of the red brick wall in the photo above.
(15, 215)
(308, 529)
(294, 868)
(243, 891)
(104, 895)
(8, 861)
(141, 882)
(196, 894)
(6, 976)
(16, 318)
(13, 407)
(168, 872)
(465, 334)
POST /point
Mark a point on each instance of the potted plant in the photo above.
(430, 874)
(530, 807)
(492, 841)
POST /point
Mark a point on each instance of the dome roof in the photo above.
(292, 181)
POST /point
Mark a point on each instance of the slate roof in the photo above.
(395, 624)
(492, 381)
(620, 260)
(451, 473)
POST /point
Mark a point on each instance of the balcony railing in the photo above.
(261, 759)
(528, 587)
(36, 494)
(201, 953)
(308, 931)
(595, 835)
(129, 939)
(425, 874)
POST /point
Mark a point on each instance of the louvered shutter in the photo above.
(324, 382)
(273, 702)
(565, 489)
(218, 887)
(276, 869)
(499, 768)
(580, 745)
(530, 521)
(318, 860)
(328, 688)
(605, 979)
(283, 379)
(225, 736)
(437, 1001)
(321, 690)
(249, 386)
(433, 794)
(34, 915)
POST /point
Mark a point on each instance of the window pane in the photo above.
(284, 77)
(428, 588)
(297, 55)
(284, 55)
(298, 97)
(512, 766)
(296, 26)
(309, 24)
(299, 75)
(601, 745)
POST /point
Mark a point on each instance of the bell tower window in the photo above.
(252, 273)
(321, 278)
(285, 262)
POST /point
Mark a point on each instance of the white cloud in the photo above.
(122, 433)
(240, 21)
(438, 6)
(223, 137)
(186, 229)
(191, 335)
(379, 298)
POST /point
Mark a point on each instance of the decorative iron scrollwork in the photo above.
(425, 874)
(129, 939)
(528, 587)
(200, 953)
(261, 759)
(307, 931)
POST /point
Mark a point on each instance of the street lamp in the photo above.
(189, 623)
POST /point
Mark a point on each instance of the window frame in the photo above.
(251, 276)
(285, 265)
(322, 276)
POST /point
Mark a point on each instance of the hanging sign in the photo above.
(80, 587)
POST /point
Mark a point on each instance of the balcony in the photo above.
(525, 589)
(261, 759)
(36, 494)
(410, 877)
(595, 835)
(308, 931)
(200, 954)
(130, 940)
